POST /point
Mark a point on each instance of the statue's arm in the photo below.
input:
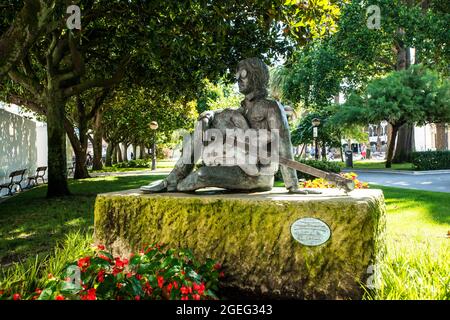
(277, 120)
(209, 114)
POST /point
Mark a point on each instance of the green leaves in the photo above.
(46, 294)
(134, 287)
(311, 77)
(155, 273)
(327, 134)
(194, 276)
(69, 288)
(416, 95)
(306, 20)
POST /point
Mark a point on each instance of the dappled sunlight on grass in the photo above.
(33, 273)
(45, 221)
(417, 213)
(415, 265)
(74, 222)
(414, 268)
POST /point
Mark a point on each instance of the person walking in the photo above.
(363, 152)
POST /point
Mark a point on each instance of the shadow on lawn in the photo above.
(31, 224)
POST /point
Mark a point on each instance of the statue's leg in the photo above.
(184, 166)
(179, 172)
(231, 178)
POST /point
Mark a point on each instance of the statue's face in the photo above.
(244, 83)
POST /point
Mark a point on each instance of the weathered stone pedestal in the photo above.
(250, 234)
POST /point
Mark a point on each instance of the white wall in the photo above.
(424, 138)
(41, 144)
(23, 144)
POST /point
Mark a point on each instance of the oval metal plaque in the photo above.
(310, 231)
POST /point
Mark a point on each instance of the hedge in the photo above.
(431, 160)
(139, 163)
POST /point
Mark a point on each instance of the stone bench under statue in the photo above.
(271, 244)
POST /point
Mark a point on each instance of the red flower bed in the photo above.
(154, 273)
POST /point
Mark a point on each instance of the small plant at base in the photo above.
(320, 183)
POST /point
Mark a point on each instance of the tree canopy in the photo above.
(166, 46)
(348, 59)
(355, 54)
(413, 96)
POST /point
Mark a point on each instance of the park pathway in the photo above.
(436, 180)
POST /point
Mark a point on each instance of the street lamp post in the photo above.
(315, 123)
(153, 127)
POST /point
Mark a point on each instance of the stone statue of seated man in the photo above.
(257, 113)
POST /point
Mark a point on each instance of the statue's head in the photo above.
(252, 76)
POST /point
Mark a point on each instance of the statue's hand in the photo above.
(209, 115)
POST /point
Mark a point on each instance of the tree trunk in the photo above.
(134, 151)
(391, 147)
(97, 144)
(80, 150)
(324, 152)
(119, 153)
(141, 151)
(114, 153)
(109, 153)
(405, 133)
(441, 143)
(80, 142)
(404, 145)
(56, 140)
(125, 152)
(378, 138)
(81, 171)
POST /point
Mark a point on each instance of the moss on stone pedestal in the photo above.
(250, 235)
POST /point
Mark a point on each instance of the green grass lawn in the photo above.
(417, 260)
(416, 265)
(378, 164)
(31, 224)
(114, 169)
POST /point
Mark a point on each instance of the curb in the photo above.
(404, 172)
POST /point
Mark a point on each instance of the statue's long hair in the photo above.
(258, 73)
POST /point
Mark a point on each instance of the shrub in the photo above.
(139, 163)
(154, 273)
(329, 166)
(431, 160)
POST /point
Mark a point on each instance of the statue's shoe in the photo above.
(155, 186)
(309, 191)
(304, 191)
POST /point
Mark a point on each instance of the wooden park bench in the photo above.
(40, 173)
(14, 182)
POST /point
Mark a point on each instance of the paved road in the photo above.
(431, 181)
(421, 180)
